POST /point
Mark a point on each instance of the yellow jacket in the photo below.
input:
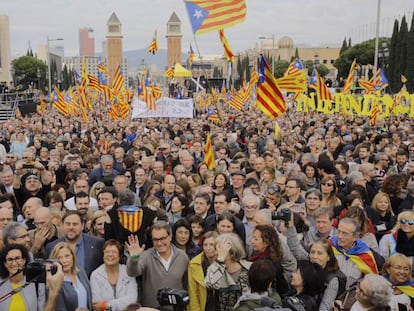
(196, 284)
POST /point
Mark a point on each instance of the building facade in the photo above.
(114, 46)
(86, 42)
(174, 36)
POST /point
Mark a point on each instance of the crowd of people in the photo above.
(318, 216)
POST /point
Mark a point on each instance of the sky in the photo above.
(307, 22)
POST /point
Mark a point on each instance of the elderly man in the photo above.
(162, 266)
(354, 257)
(44, 233)
(105, 172)
(15, 233)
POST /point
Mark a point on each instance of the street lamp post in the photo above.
(38, 78)
(273, 50)
(383, 52)
(316, 61)
(48, 64)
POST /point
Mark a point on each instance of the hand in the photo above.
(291, 220)
(40, 237)
(97, 305)
(133, 247)
(223, 249)
(54, 282)
(270, 205)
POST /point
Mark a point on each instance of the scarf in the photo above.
(406, 287)
(360, 254)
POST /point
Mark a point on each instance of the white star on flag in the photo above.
(198, 14)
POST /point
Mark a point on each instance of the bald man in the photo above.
(44, 233)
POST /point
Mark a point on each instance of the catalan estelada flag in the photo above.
(209, 153)
(212, 116)
(350, 80)
(294, 68)
(321, 89)
(293, 83)
(59, 102)
(359, 254)
(153, 48)
(406, 287)
(226, 46)
(269, 98)
(210, 15)
(130, 217)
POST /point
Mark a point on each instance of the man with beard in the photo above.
(88, 249)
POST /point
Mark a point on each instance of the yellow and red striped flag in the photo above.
(226, 46)
(169, 73)
(59, 102)
(153, 48)
(269, 98)
(350, 80)
(374, 114)
(254, 78)
(118, 82)
(294, 68)
(41, 107)
(320, 87)
(210, 15)
(293, 83)
(209, 154)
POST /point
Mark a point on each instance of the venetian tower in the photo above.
(113, 45)
(174, 40)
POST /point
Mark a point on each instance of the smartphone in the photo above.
(28, 165)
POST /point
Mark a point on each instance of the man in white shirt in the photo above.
(81, 185)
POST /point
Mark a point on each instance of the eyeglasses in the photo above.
(174, 151)
(160, 239)
(407, 222)
(399, 268)
(250, 206)
(17, 259)
(327, 184)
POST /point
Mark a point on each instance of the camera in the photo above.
(173, 297)
(36, 271)
(283, 214)
(31, 165)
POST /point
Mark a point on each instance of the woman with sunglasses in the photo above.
(397, 271)
(402, 238)
(329, 190)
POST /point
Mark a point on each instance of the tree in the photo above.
(344, 47)
(296, 53)
(392, 60)
(409, 70)
(26, 69)
(363, 52)
(309, 65)
(280, 68)
(401, 61)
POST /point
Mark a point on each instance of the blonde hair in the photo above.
(378, 197)
(237, 251)
(55, 254)
(394, 260)
(94, 216)
(403, 214)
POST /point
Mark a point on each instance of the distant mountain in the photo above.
(135, 58)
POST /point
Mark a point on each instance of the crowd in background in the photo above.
(318, 214)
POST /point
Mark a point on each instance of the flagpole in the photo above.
(205, 74)
(376, 40)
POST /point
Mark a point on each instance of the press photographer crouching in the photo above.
(23, 284)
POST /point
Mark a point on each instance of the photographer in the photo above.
(30, 297)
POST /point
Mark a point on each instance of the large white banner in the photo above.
(166, 108)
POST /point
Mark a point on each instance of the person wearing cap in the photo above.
(27, 184)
